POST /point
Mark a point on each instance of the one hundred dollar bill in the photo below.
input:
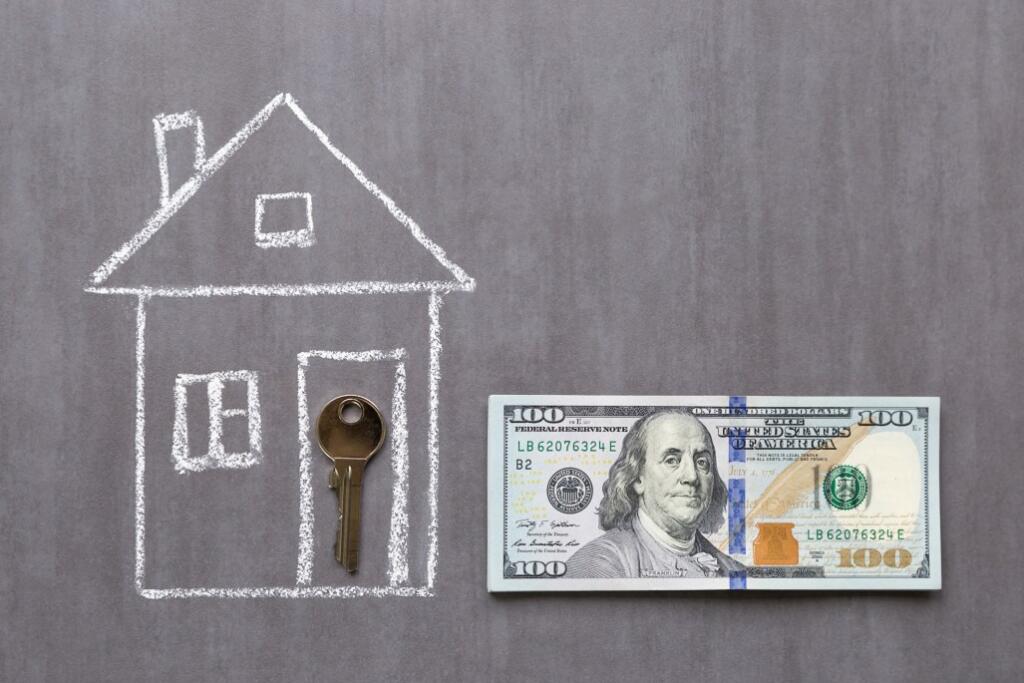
(713, 492)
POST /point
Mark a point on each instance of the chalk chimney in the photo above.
(181, 154)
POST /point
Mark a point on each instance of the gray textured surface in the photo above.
(702, 197)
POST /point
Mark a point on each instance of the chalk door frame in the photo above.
(398, 540)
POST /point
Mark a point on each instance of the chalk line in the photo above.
(302, 238)
(434, 312)
(337, 288)
(357, 356)
(398, 566)
(140, 444)
(288, 592)
(398, 541)
(304, 573)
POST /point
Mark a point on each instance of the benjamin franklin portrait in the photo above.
(663, 494)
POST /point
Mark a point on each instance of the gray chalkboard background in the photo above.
(765, 197)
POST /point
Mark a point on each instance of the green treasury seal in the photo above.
(845, 487)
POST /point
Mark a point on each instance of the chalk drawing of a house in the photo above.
(272, 276)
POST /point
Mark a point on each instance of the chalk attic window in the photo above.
(216, 456)
(284, 219)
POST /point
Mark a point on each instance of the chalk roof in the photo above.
(452, 278)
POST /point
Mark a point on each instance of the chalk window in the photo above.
(284, 220)
(240, 417)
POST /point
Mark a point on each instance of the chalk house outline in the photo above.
(171, 200)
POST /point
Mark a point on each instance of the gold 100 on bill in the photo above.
(713, 492)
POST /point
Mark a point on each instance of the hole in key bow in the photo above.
(350, 412)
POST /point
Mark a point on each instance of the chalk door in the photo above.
(380, 376)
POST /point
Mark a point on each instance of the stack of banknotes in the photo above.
(713, 492)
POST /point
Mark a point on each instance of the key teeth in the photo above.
(349, 563)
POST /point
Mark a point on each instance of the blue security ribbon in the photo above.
(738, 516)
(738, 488)
(738, 404)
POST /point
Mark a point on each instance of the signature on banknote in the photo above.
(534, 524)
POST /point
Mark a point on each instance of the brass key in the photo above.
(351, 431)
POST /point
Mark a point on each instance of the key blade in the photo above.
(350, 488)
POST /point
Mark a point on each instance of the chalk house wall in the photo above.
(240, 527)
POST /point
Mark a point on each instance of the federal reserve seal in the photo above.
(845, 487)
(570, 490)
